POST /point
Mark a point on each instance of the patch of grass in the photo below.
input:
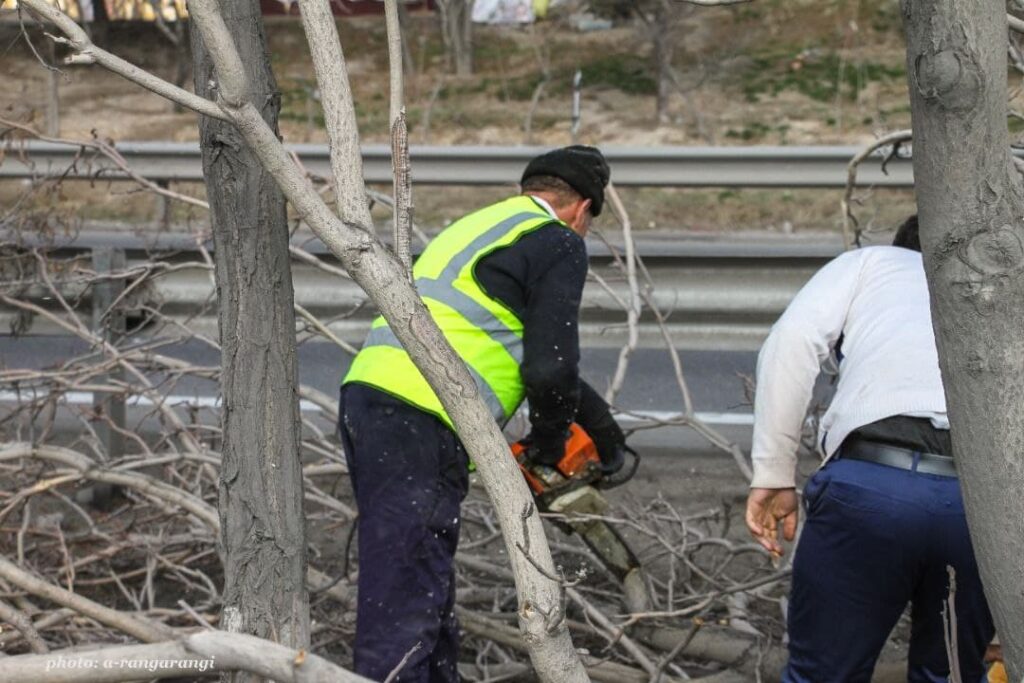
(749, 132)
(758, 131)
(629, 73)
(749, 12)
(296, 104)
(521, 88)
(489, 54)
(821, 76)
(884, 16)
(449, 116)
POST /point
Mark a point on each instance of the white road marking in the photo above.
(87, 397)
(711, 418)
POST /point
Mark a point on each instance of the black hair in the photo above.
(907, 235)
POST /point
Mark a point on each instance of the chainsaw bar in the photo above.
(606, 542)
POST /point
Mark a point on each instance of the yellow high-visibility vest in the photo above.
(482, 330)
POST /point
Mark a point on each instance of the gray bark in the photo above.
(970, 202)
(402, 184)
(457, 32)
(660, 19)
(261, 491)
(339, 112)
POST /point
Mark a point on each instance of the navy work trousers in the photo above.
(876, 538)
(409, 473)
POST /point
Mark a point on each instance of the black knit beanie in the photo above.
(582, 167)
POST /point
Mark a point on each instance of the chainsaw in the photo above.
(579, 466)
(572, 487)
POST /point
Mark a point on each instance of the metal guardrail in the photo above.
(716, 295)
(812, 167)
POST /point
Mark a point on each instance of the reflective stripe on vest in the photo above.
(483, 331)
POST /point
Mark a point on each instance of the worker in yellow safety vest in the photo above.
(504, 284)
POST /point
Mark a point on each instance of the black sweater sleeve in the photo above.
(551, 344)
(541, 278)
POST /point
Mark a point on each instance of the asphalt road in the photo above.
(715, 380)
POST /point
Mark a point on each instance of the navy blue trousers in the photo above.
(876, 538)
(409, 473)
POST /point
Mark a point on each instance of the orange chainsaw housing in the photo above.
(580, 460)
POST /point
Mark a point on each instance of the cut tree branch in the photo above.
(204, 653)
(135, 626)
(849, 220)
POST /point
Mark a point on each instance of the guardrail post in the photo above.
(162, 216)
(110, 325)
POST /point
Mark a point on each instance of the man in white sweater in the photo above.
(884, 516)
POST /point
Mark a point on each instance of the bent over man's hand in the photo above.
(765, 508)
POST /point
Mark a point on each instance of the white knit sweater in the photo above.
(877, 299)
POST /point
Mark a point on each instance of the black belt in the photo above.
(902, 458)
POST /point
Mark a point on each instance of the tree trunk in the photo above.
(664, 47)
(408, 63)
(263, 528)
(457, 32)
(182, 57)
(99, 27)
(970, 202)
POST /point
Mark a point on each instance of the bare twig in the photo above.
(401, 664)
(133, 625)
(20, 621)
(1016, 24)
(849, 220)
(633, 310)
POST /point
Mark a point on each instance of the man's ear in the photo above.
(580, 218)
(584, 208)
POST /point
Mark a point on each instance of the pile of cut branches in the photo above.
(109, 527)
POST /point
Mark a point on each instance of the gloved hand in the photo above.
(543, 449)
(610, 442)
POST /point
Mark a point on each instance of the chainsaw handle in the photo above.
(623, 475)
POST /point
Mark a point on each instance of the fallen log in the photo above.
(739, 652)
(203, 653)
